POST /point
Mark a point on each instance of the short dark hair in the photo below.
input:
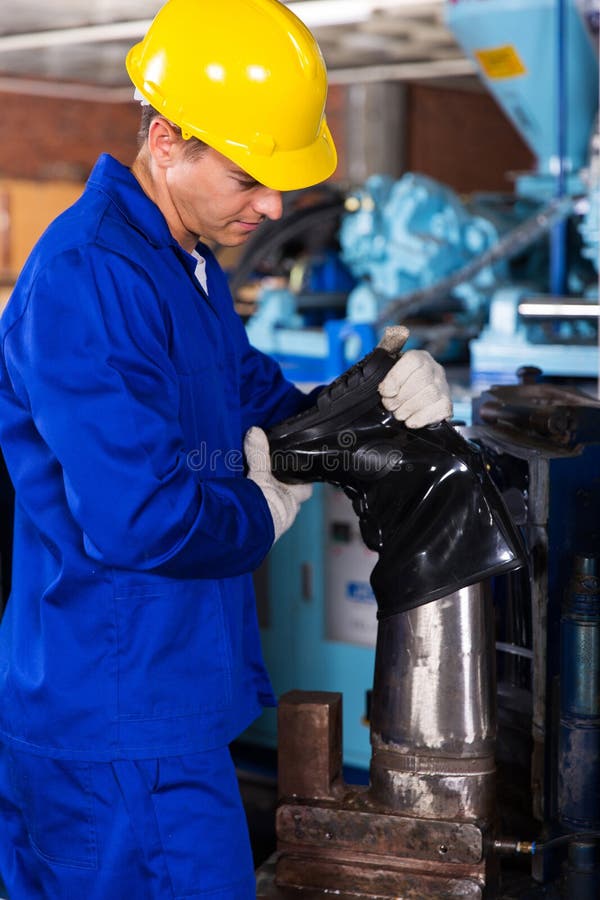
(193, 146)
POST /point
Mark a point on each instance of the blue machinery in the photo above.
(538, 61)
(507, 281)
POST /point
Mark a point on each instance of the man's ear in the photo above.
(163, 142)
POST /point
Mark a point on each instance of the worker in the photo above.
(129, 648)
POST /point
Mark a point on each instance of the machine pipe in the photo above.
(579, 736)
(558, 236)
(583, 871)
(508, 246)
(433, 720)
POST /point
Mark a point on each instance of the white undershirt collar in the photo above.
(200, 272)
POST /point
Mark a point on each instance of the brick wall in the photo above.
(460, 137)
(463, 139)
(336, 112)
(61, 139)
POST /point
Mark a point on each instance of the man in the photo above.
(129, 650)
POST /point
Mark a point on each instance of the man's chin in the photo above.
(236, 240)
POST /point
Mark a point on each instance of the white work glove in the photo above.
(282, 499)
(415, 389)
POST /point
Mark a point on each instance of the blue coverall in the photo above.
(129, 649)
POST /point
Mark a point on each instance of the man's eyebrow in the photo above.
(239, 173)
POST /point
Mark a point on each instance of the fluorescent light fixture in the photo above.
(86, 34)
(572, 310)
(35, 87)
(319, 13)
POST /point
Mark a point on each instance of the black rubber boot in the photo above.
(423, 496)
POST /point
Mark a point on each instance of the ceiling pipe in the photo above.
(85, 34)
(314, 13)
(34, 87)
(409, 71)
(38, 87)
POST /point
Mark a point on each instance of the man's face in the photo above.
(212, 198)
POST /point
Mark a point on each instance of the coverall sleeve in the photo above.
(89, 358)
(267, 396)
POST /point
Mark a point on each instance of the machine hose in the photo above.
(510, 846)
(512, 243)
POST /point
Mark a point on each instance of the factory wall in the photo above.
(458, 136)
(60, 139)
(463, 139)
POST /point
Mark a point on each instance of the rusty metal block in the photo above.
(310, 743)
(318, 826)
(370, 879)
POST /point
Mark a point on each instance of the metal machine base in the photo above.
(515, 886)
(334, 837)
(268, 889)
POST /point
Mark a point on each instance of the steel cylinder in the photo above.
(582, 881)
(579, 735)
(433, 723)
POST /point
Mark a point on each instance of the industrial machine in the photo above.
(503, 282)
(542, 445)
(450, 741)
(509, 284)
(427, 506)
(494, 281)
(539, 59)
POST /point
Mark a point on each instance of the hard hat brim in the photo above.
(283, 170)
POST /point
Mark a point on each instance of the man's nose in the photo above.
(269, 203)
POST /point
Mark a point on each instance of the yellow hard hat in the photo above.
(246, 77)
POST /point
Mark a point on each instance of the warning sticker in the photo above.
(501, 62)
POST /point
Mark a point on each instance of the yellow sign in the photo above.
(501, 62)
